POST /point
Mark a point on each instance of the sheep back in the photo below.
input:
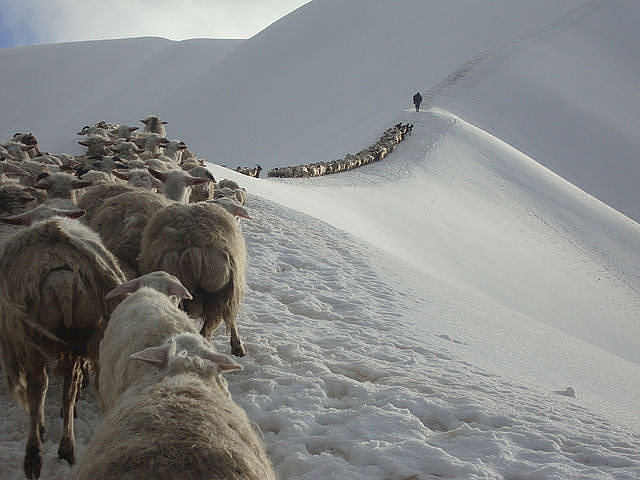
(55, 275)
(120, 221)
(179, 428)
(144, 319)
(93, 197)
(203, 246)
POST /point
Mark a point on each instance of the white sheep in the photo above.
(153, 124)
(18, 151)
(177, 183)
(204, 191)
(61, 188)
(138, 177)
(120, 221)
(231, 206)
(126, 150)
(153, 143)
(174, 150)
(238, 194)
(96, 195)
(8, 169)
(202, 245)
(145, 318)
(97, 145)
(55, 275)
(182, 426)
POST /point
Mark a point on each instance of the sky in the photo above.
(459, 309)
(30, 22)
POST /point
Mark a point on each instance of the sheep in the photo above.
(97, 145)
(153, 124)
(176, 183)
(238, 194)
(34, 169)
(231, 206)
(182, 426)
(203, 246)
(55, 275)
(14, 198)
(61, 187)
(138, 177)
(250, 171)
(127, 150)
(174, 150)
(97, 177)
(123, 131)
(94, 196)
(8, 168)
(18, 151)
(30, 140)
(146, 317)
(153, 142)
(120, 221)
(202, 192)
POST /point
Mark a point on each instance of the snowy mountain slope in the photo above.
(580, 117)
(335, 73)
(473, 212)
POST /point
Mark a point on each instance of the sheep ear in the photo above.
(70, 213)
(127, 287)
(158, 174)
(17, 220)
(224, 362)
(179, 290)
(197, 180)
(121, 175)
(158, 356)
(240, 211)
(81, 184)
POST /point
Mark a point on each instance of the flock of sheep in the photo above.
(122, 262)
(379, 150)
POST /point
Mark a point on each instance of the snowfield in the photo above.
(466, 308)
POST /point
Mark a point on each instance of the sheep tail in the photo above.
(190, 267)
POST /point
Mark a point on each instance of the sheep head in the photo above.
(187, 352)
(160, 281)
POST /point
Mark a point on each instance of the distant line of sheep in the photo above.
(379, 150)
(78, 233)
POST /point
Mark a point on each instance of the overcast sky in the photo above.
(29, 22)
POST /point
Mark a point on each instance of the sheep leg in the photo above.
(37, 384)
(237, 348)
(72, 371)
(213, 313)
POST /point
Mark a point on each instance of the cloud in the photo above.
(43, 21)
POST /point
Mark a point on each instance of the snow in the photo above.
(468, 307)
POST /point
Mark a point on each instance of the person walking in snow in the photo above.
(417, 100)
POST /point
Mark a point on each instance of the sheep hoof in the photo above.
(66, 451)
(32, 462)
(238, 350)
